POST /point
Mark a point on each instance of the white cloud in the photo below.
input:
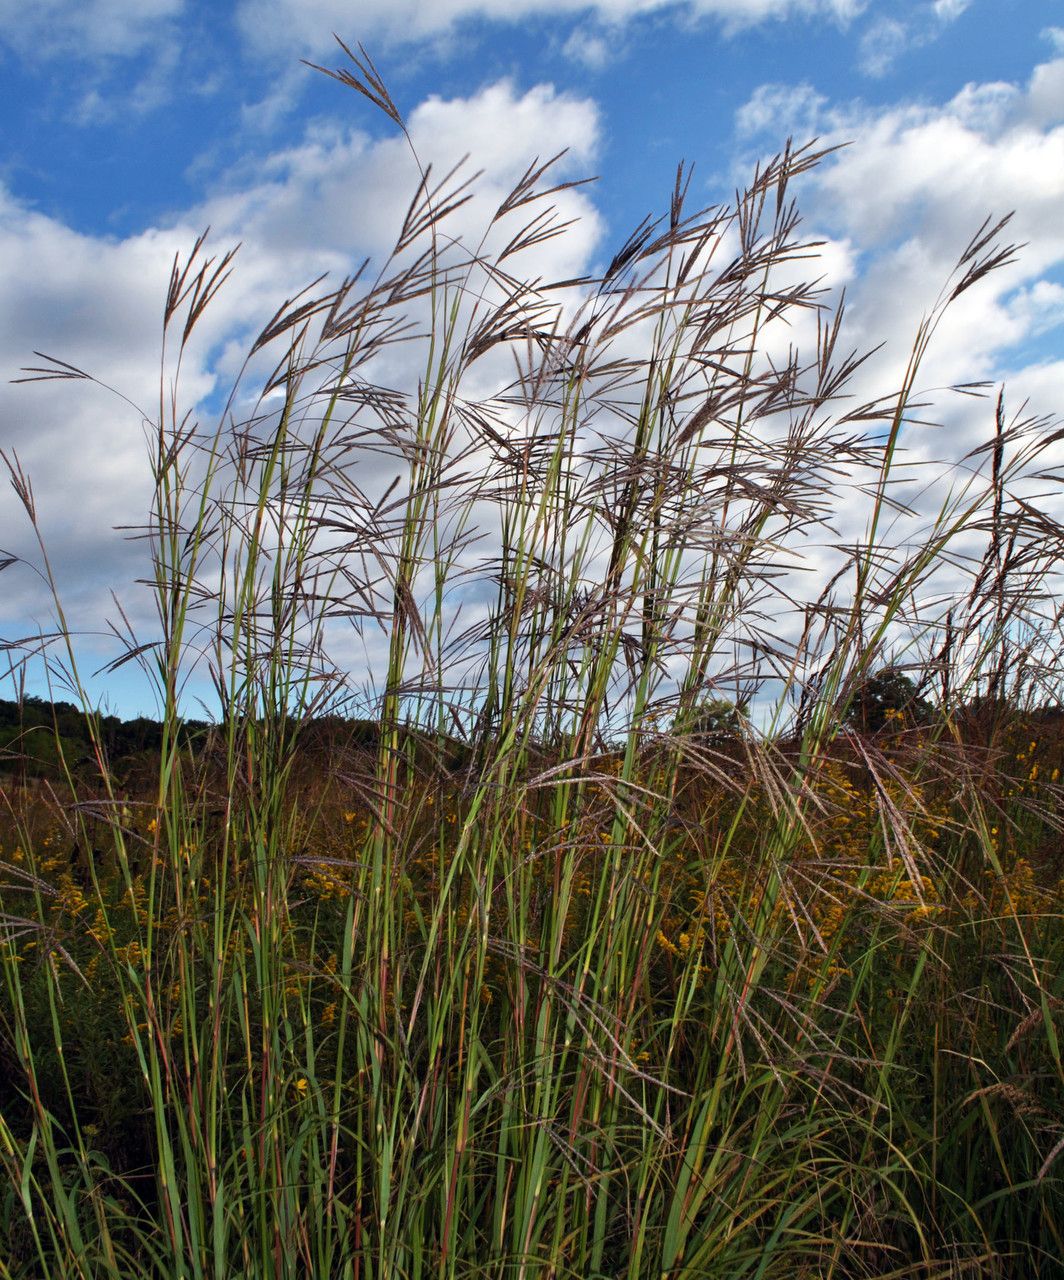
(793, 110)
(986, 108)
(1040, 386)
(305, 24)
(93, 28)
(96, 304)
(947, 10)
(1038, 308)
(152, 89)
(888, 37)
(983, 150)
(592, 49)
(881, 44)
(1046, 93)
(905, 197)
(908, 193)
(318, 206)
(337, 194)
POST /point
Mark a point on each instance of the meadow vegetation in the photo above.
(655, 912)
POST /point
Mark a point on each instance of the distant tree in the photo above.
(716, 722)
(887, 697)
(37, 737)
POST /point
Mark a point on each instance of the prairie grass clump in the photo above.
(557, 963)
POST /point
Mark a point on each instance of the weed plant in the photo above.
(556, 965)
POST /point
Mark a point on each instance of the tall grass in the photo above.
(563, 966)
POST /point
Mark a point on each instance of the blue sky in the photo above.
(115, 121)
(129, 125)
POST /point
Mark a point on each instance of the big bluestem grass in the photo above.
(558, 964)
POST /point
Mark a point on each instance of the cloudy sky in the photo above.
(131, 125)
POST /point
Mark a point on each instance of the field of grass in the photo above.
(682, 897)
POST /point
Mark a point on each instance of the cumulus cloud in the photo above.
(320, 205)
(984, 149)
(910, 191)
(337, 194)
(1045, 96)
(96, 304)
